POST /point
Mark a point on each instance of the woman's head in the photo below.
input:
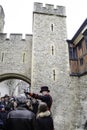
(42, 107)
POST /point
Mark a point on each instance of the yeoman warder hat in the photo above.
(44, 88)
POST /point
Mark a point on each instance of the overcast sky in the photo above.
(18, 14)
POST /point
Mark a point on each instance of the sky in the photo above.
(18, 14)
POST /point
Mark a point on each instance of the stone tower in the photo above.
(1, 19)
(50, 58)
(49, 44)
(42, 59)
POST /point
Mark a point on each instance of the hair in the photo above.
(42, 107)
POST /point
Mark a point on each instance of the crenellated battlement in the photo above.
(49, 9)
(15, 37)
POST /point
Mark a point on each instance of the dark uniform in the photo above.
(44, 98)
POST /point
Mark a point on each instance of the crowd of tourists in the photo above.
(29, 112)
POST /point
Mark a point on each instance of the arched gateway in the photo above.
(40, 58)
(14, 76)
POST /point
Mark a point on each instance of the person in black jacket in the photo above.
(20, 118)
(45, 97)
(44, 119)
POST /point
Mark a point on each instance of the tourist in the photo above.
(44, 119)
(21, 118)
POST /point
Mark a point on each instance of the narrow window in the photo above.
(72, 53)
(85, 41)
(23, 57)
(86, 45)
(51, 27)
(52, 50)
(80, 45)
(54, 75)
(2, 57)
(81, 61)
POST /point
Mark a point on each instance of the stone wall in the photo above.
(2, 15)
(50, 66)
(15, 54)
(82, 109)
(43, 58)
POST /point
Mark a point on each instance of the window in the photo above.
(52, 50)
(85, 41)
(51, 27)
(81, 61)
(79, 45)
(54, 74)
(23, 57)
(72, 52)
(2, 56)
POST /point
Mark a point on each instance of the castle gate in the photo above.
(15, 57)
(42, 59)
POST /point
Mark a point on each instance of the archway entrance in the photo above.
(13, 84)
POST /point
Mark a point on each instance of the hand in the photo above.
(26, 92)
